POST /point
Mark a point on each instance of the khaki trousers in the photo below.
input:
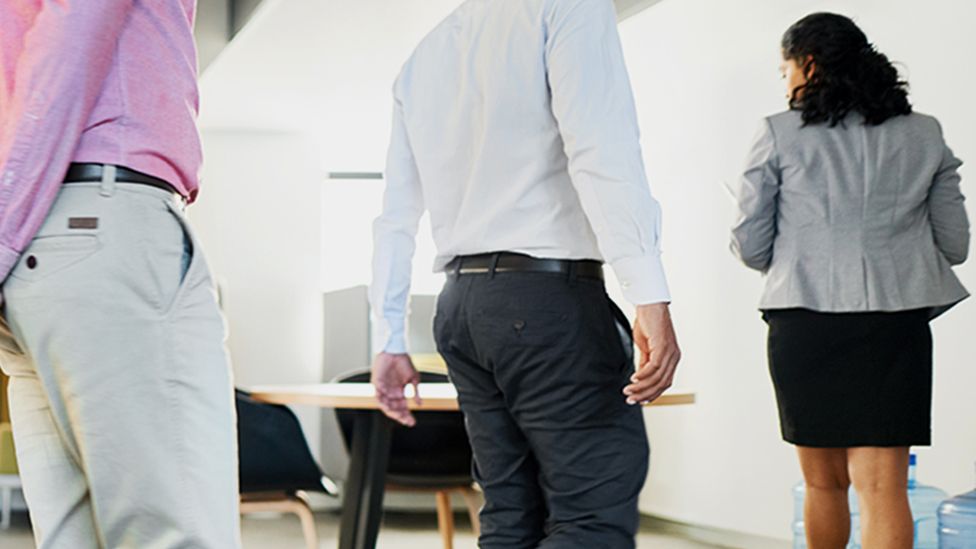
(121, 392)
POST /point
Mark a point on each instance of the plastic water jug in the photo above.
(924, 501)
(957, 522)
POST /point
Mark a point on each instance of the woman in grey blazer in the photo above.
(850, 205)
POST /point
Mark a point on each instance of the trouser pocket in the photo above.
(67, 249)
(625, 330)
(49, 255)
(189, 258)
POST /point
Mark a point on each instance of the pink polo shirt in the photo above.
(101, 81)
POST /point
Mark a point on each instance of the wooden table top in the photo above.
(437, 397)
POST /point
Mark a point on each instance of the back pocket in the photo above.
(49, 255)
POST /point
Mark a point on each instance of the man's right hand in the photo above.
(391, 374)
(655, 337)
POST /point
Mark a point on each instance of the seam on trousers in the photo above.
(176, 412)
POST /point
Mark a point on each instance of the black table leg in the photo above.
(362, 507)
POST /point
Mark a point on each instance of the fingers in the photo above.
(648, 376)
(416, 391)
(404, 418)
(393, 403)
(654, 335)
(655, 376)
(395, 407)
(650, 363)
(390, 375)
(653, 386)
(655, 355)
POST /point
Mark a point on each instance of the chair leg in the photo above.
(445, 518)
(304, 512)
(297, 505)
(474, 506)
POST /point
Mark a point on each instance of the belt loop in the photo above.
(494, 264)
(573, 274)
(108, 180)
(457, 266)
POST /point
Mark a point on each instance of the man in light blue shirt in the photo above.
(515, 127)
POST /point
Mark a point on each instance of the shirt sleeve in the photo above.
(394, 239)
(756, 194)
(67, 55)
(593, 105)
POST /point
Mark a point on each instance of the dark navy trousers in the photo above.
(540, 361)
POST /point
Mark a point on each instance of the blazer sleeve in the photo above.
(756, 196)
(947, 210)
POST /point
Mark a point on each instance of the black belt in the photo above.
(92, 173)
(506, 262)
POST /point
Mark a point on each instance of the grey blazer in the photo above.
(854, 217)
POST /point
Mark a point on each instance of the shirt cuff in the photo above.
(8, 258)
(394, 340)
(642, 279)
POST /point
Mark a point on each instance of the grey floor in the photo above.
(399, 531)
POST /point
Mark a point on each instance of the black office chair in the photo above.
(276, 465)
(434, 456)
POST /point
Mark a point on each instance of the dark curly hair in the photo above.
(848, 73)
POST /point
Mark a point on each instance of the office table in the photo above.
(370, 452)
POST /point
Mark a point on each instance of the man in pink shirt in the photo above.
(121, 395)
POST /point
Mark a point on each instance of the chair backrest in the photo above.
(274, 455)
(437, 447)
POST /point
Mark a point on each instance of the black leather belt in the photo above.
(92, 173)
(507, 262)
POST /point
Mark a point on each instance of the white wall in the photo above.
(324, 70)
(258, 219)
(704, 73)
(348, 210)
(304, 89)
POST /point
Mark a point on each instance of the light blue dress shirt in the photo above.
(514, 126)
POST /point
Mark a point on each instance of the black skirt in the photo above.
(852, 379)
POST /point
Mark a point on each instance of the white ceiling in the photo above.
(323, 68)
